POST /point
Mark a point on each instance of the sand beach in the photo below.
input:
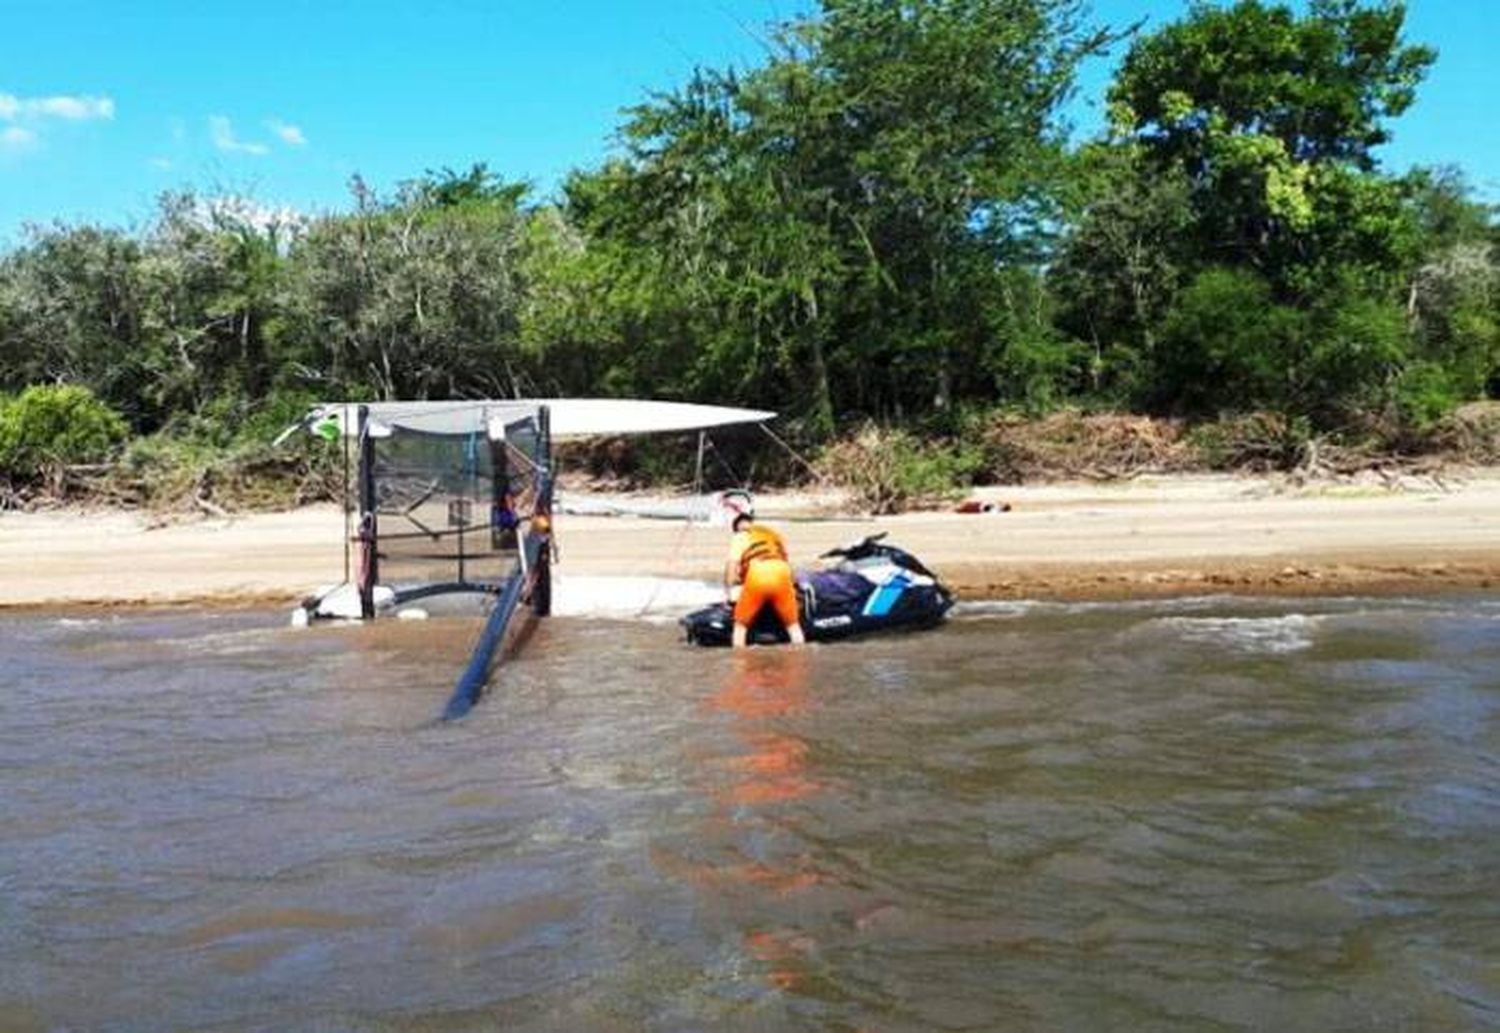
(1148, 537)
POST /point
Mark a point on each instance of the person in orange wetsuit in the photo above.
(758, 564)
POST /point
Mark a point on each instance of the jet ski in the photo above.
(869, 586)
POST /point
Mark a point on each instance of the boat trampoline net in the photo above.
(449, 508)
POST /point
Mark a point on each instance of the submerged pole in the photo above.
(471, 683)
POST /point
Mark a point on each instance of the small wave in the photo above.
(1487, 608)
(990, 609)
(1172, 604)
(1048, 607)
(1286, 634)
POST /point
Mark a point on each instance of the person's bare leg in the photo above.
(794, 632)
(741, 637)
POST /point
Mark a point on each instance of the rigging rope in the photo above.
(817, 476)
(734, 476)
(705, 445)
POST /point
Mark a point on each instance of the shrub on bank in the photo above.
(1094, 446)
(49, 427)
(1470, 434)
(886, 470)
(166, 473)
(1257, 442)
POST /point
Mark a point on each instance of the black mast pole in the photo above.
(369, 567)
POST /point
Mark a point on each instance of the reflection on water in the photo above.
(765, 867)
(1200, 815)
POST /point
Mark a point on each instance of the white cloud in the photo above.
(76, 109)
(15, 138)
(290, 135)
(165, 164)
(222, 134)
(284, 220)
(71, 108)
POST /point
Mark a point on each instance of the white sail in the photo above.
(588, 417)
(570, 417)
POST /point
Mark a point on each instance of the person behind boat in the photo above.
(758, 564)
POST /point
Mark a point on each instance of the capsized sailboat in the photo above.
(456, 498)
(443, 490)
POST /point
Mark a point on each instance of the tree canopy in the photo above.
(883, 218)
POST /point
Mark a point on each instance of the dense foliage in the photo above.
(881, 221)
(46, 428)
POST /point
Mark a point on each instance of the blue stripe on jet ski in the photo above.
(883, 598)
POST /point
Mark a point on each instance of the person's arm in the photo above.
(732, 567)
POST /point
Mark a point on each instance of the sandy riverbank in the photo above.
(1159, 536)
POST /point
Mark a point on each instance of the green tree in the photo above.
(73, 301)
(212, 275)
(1125, 257)
(1248, 244)
(407, 298)
(1454, 294)
(1273, 117)
(1228, 345)
(446, 188)
(946, 123)
(835, 227)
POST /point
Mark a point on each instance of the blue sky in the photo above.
(104, 105)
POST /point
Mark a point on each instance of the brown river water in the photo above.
(1205, 815)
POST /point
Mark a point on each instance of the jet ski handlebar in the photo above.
(863, 547)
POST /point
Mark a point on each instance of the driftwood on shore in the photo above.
(1064, 446)
(217, 487)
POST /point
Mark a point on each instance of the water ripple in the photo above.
(1197, 815)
